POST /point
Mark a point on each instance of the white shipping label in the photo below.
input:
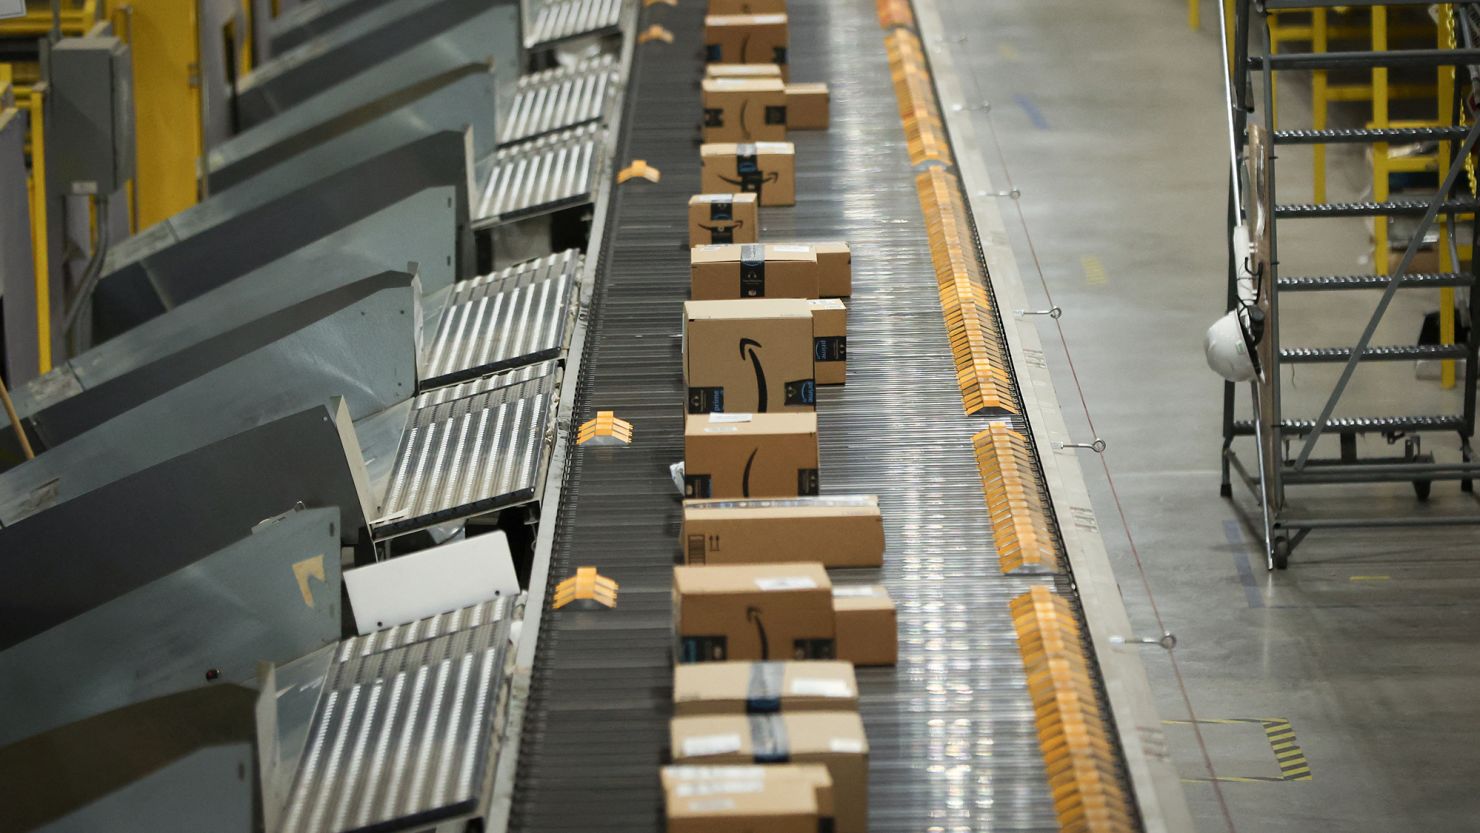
(721, 429)
(691, 789)
(702, 745)
(846, 746)
(856, 592)
(786, 583)
(724, 418)
(791, 249)
(735, 773)
(712, 805)
(820, 687)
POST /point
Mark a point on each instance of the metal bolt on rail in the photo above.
(1098, 446)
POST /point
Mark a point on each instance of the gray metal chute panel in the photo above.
(377, 36)
(134, 530)
(214, 618)
(350, 341)
(150, 766)
(421, 228)
(554, 172)
(308, 139)
(366, 353)
(238, 231)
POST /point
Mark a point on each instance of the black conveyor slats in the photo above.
(951, 730)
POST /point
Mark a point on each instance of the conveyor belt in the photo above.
(470, 449)
(559, 98)
(401, 733)
(550, 173)
(512, 317)
(951, 730)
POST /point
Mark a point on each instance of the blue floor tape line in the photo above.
(1235, 535)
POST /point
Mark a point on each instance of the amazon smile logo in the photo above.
(760, 373)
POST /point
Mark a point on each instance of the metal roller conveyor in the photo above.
(539, 177)
(403, 730)
(560, 21)
(559, 98)
(471, 449)
(513, 317)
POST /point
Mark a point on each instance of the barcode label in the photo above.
(819, 687)
(786, 583)
(702, 745)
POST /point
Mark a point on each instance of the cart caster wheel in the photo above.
(1281, 553)
(1467, 486)
(1423, 488)
(1225, 490)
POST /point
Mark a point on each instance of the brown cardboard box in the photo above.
(753, 270)
(750, 356)
(742, 71)
(756, 612)
(763, 687)
(838, 531)
(743, 806)
(835, 739)
(747, 6)
(746, 39)
(829, 341)
(766, 169)
(834, 268)
(760, 455)
(723, 218)
(807, 106)
(744, 110)
(689, 781)
(868, 627)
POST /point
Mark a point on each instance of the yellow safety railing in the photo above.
(38, 228)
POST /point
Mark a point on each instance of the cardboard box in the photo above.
(763, 687)
(834, 268)
(742, 806)
(868, 626)
(723, 218)
(746, 39)
(807, 106)
(688, 781)
(747, 6)
(829, 341)
(752, 270)
(766, 169)
(751, 356)
(744, 110)
(838, 531)
(834, 739)
(742, 71)
(750, 455)
(754, 612)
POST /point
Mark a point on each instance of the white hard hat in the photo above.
(1230, 342)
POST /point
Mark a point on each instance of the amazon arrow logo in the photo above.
(760, 374)
(754, 615)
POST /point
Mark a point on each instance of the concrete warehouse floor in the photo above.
(1109, 120)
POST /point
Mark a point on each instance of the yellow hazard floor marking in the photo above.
(1281, 737)
(1094, 271)
(1008, 52)
(1371, 578)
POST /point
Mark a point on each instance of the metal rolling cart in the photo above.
(1286, 443)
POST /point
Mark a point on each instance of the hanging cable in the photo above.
(91, 273)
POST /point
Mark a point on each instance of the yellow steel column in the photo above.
(1194, 14)
(166, 58)
(1380, 149)
(1318, 103)
(39, 230)
(1446, 116)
